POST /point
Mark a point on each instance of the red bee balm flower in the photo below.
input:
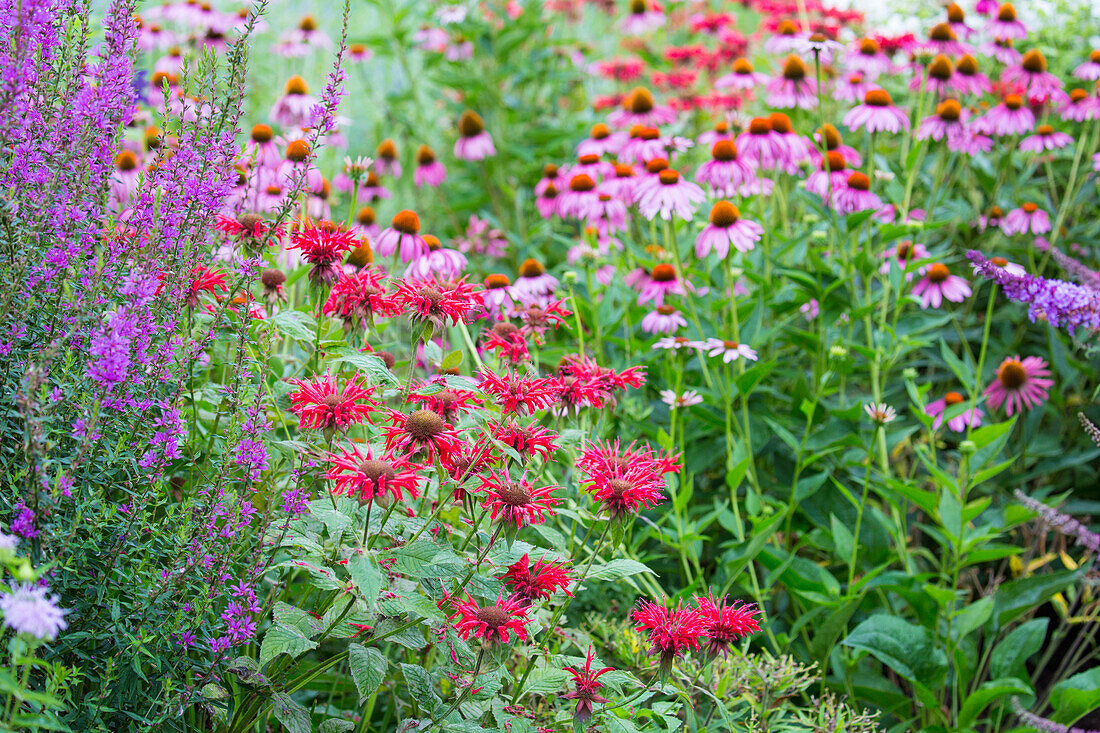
(423, 430)
(527, 440)
(437, 301)
(625, 491)
(368, 477)
(672, 631)
(587, 687)
(320, 403)
(517, 501)
(358, 297)
(493, 624)
(726, 623)
(323, 245)
(538, 581)
(203, 279)
(512, 390)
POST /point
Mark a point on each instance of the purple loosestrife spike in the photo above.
(1042, 724)
(1084, 275)
(1092, 430)
(1060, 303)
(1063, 523)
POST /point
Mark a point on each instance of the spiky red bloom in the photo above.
(204, 279)
(512, 390)
(624, 492)
(726, 623)
(246, 227)
(508, 341)
(424, 431)
(448, 402)
(583, 382)
(538, 319)
(358, 297)
(495, 623)
(516, 501)
(323, 245)
(527, 440)
(538, 581)
(437, 301)
(586, 688)
(367, 477)
(320, 403)
(672, 631)
(607, 457)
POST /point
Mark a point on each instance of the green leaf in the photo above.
(368, 669)
(1010, 655)
(972, 617)
(1075, 697)
(842, 537)
(282, 640)
(367, 577)
(412, 559)
(295, 325)
(421, 687)
(984, 696)
(1019, 596)
(336, 725)
(951, 514)
(293, 716)
(619, 568)
(962, 371)
(906, 648)
(451, 361)
(370, 365)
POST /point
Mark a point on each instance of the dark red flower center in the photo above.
(1012, 374)
(514, 494)
(794, 69)
(493, 616)
(470, 124)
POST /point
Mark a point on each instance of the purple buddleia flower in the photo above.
(1060, 303)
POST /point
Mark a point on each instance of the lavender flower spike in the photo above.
(1058, 302)
(1063, 523)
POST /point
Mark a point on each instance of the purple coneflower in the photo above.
(474, 142)
(1090, 70)
(1045, 138)
(727, 228)
(971, 417)
(1010, 117)
(855, 195)
(1006, 24)
(793, 87)
(672, 195)
(403, 237)
(730, 351)
(663, 319)
(877, 113)
(742, 77)
(1020, 383)
(1032, 74)
(429, 171)
(1028, 217)
(295, 107)
(938, 285)
(724, 172)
